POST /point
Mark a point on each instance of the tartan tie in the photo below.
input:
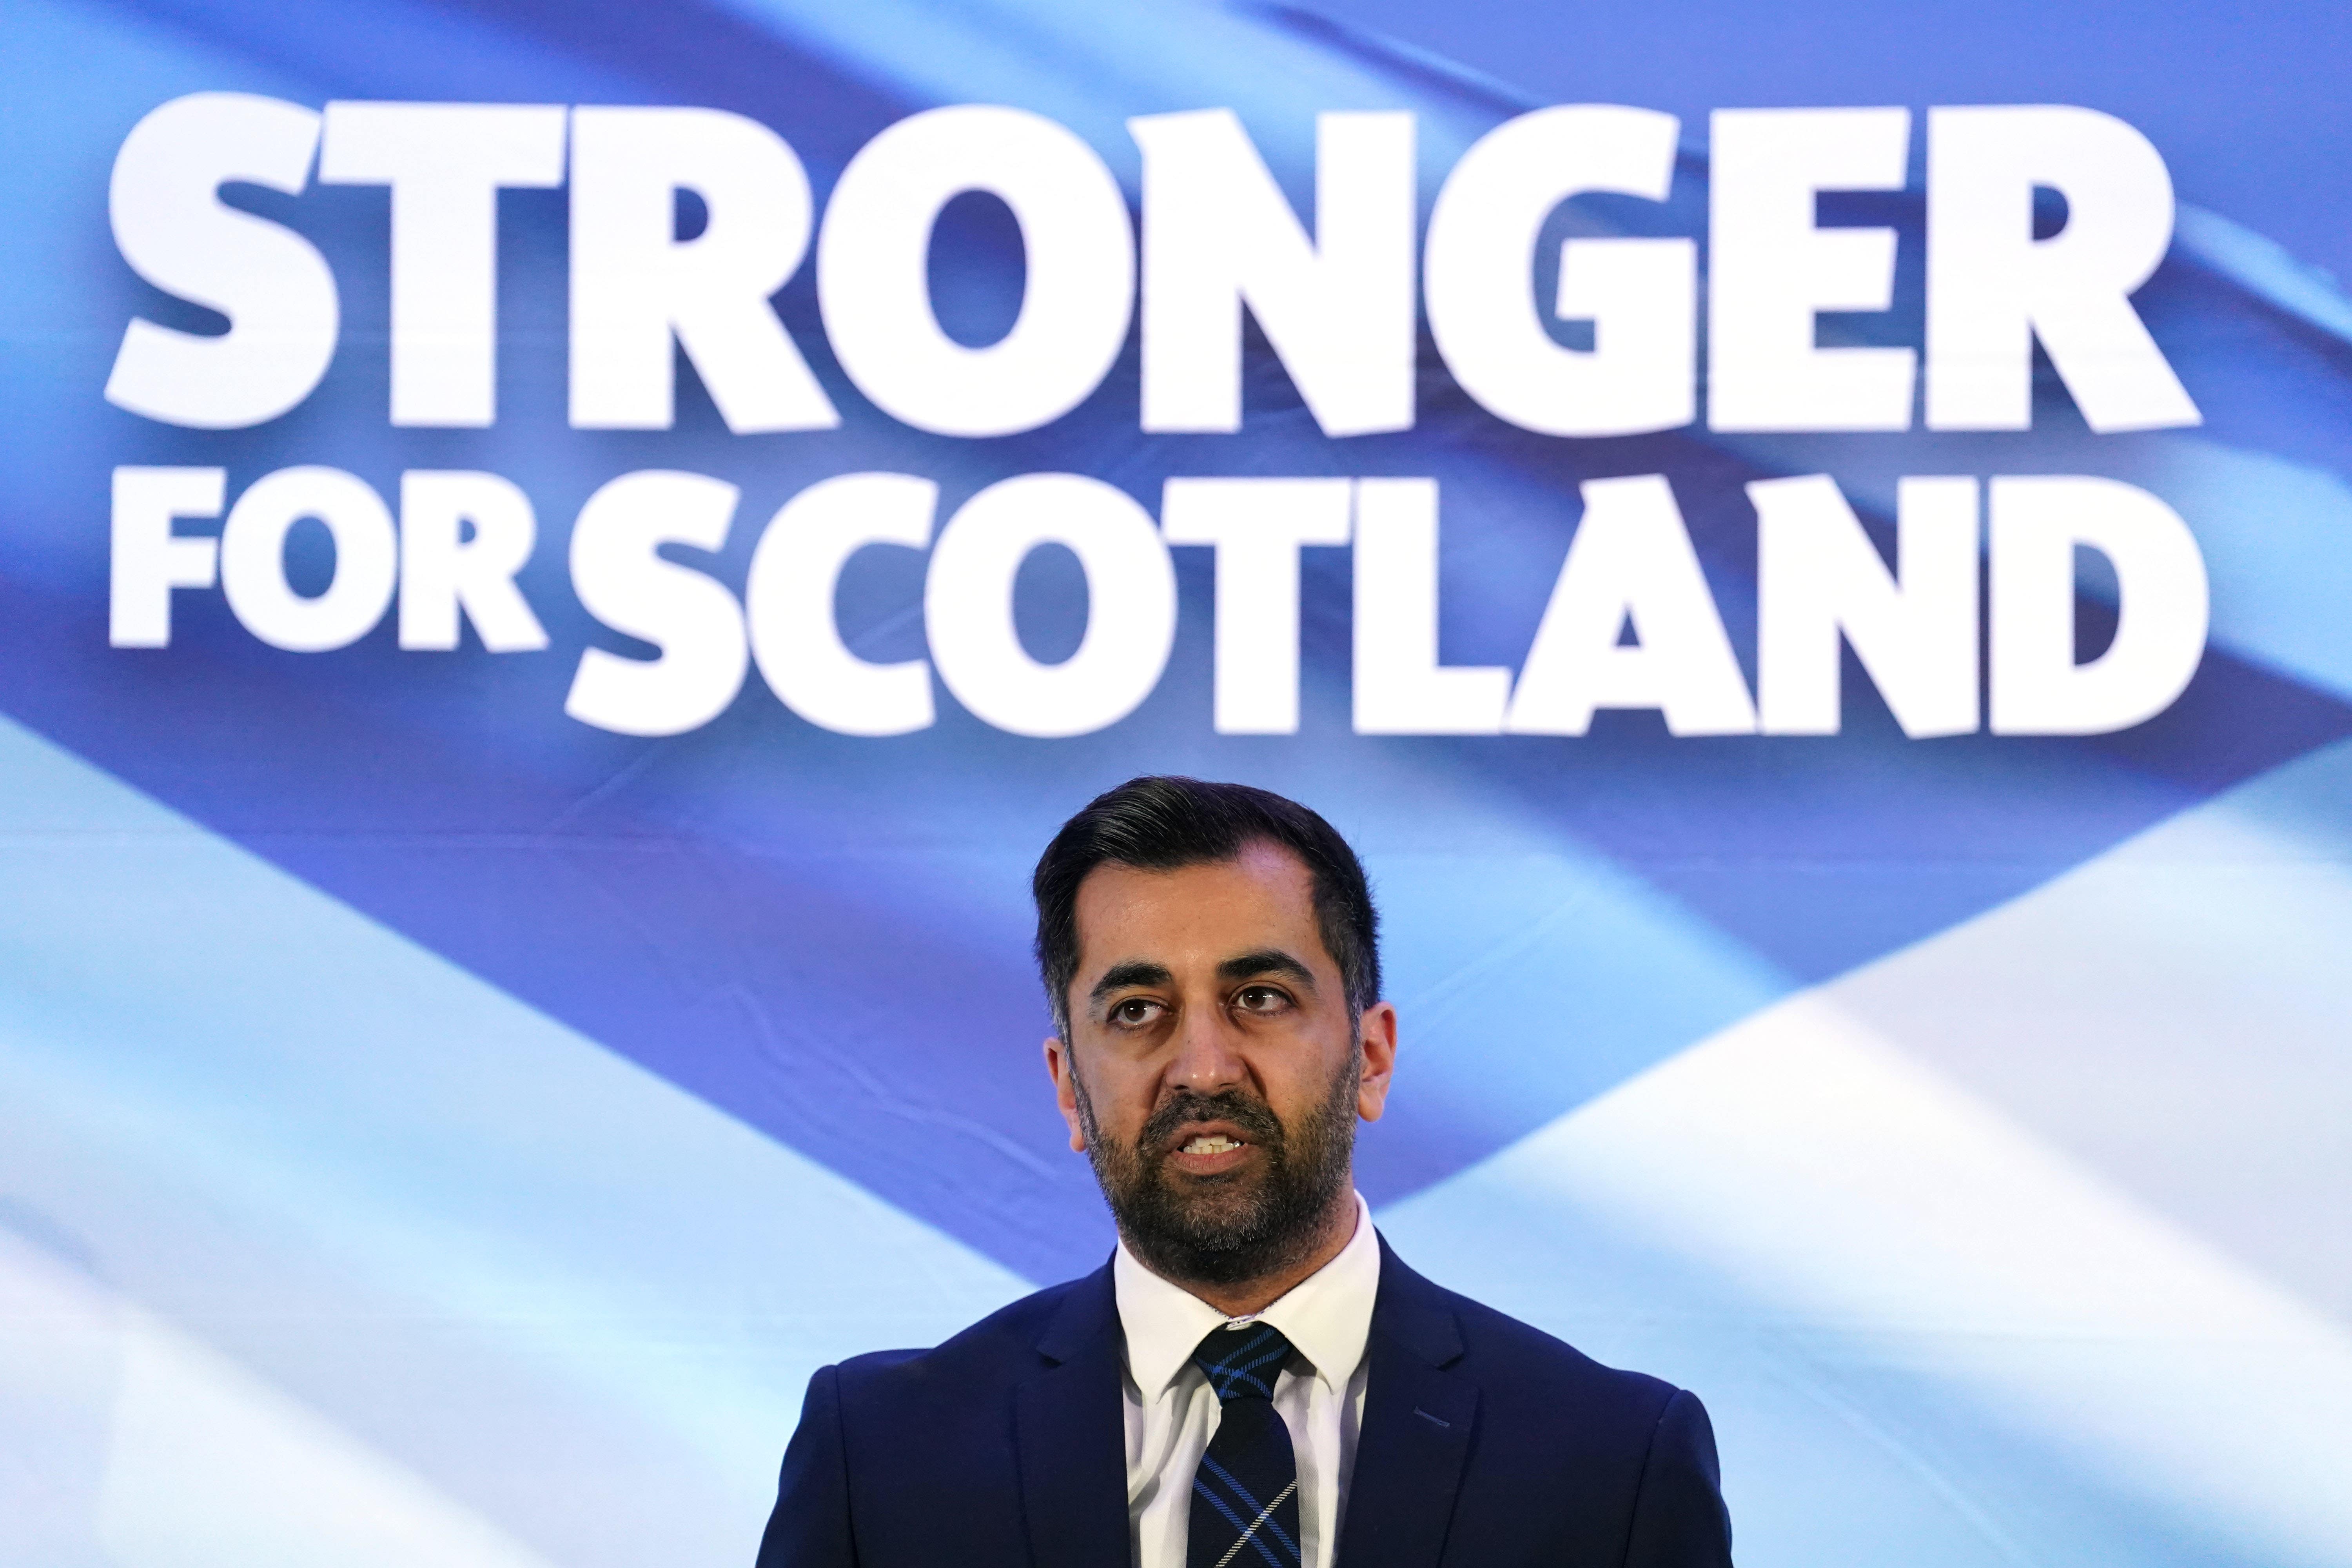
(1246, 1493)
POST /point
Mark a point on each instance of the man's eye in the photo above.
(1134, 1010)
(1262, 999)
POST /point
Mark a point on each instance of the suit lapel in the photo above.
(1071, 1437)
(1418, 1420)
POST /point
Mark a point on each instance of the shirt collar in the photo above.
(1327, 1317)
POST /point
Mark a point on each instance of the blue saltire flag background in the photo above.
(433, 1130)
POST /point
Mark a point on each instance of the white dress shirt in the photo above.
(1171, 1411)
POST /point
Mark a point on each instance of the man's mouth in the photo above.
(1210, 1135)
(1211, 1143)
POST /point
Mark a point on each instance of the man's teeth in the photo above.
(1214, 1143)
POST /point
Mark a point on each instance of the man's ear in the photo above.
(1376, 1041)
(1064, 1072)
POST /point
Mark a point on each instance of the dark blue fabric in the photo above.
(1484, 1442)
(1245, 1506)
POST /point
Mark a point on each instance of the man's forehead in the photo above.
(1263, 892)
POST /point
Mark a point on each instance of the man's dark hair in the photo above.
(1163, 822)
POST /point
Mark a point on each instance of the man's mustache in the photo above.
(1256, 1122)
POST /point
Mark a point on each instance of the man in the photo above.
(1255, 1379)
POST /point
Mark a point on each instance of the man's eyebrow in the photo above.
(1134, 971)
(1267, 961)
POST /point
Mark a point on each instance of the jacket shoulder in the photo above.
(1627, 1461)
(911, 1457)
(996, 1349)
(1530, 1367)
(1497, 1336)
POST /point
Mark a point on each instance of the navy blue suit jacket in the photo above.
(1484, 1444)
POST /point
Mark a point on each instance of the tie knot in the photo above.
(1242, 1363)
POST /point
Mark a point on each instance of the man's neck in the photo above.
(1247, 1298)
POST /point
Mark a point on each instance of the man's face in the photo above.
(1213, 1074)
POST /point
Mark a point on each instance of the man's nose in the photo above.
(1206, 1060)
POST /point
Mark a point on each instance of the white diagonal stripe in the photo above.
(1264, 1514)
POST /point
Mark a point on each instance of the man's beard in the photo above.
(1240, 1225)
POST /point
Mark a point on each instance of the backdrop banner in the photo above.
(560, 563)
